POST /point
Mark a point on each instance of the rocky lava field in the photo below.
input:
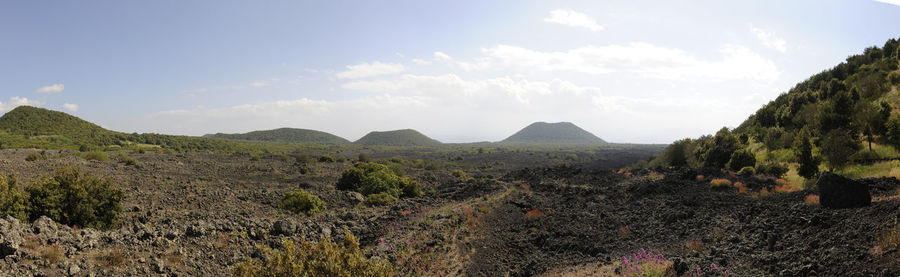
(521, 213)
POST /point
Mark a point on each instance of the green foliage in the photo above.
(288, 135)
(740, 159)
(677, 153)
(774, 169)
(364, 158)
(300, 201)
(127, 160)
(715, 152)
(75, 198)
(34, 157)
(892, 130)
(303, 158)
(894, 78)
(747, 171)
(96, 156)
(459, 174)
(380, 199)
(308, 258)
(255, 157)
(375, 178)
(405, 137)
(13, 199)
(326, 159)
(809, 165)
(837, 146)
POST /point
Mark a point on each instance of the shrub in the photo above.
(812, 200)
(13, 199)
(380, 199)
(771, 168)
(34, 157)
(719, 183)
(127, 160)
(255, 157)
(364, 158)
(374, 178)
(747, 171)
(888, 239)
(894, 77)
(534, 214)
(308, 258)
(300, 201)
(459, 174)
(96, 156)
(326, 159)
(740, 188)
(740, 159)
(647, 264)
(75, 198)
(303, 158)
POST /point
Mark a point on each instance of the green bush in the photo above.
(895, 78)
(459, 174)
(380, 199)
(308, 258)
(13, 199)
(303, 158)
(364, 158)
(301, 201)
(96, 156)
(326, 159)
(740, 159)
(127, 160)
(255, 157)
(75, 198)
(747, 171)
(34, 157)
(771, 168)
(411, 188)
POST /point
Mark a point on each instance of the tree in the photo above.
(892, 130)
(716, 152)
(740, 159)
(837, 146)
(837, 113)
(809, 165)
(675, 154)
(871, 118)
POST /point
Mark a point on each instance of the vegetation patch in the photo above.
(307, 258)
(300, 201)
(96, 156)
(75, 198)
(375, 178)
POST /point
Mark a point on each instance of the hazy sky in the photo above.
(459, 71)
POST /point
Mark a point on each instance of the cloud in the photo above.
(364, 70)
(892, 2)
(770, 40)
(54, 88)
(644, 59)
(70, 107)
(573, 19)
(16, 101)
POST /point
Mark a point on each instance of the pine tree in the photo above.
(809, 165)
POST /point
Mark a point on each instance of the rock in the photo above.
(11, 236)
(198, 229)
(74, 270)
(45, 226)
(355, 197)
(283, 227)
(838, 192)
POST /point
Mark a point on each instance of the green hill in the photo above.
(405, 137)
(553, 133)
(289, 135)
(30, 127)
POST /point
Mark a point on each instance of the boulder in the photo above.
(12, 236)
(837, 192)
(283, 227)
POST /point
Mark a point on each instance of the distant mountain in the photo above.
(290, 135)
(553, 133)
(405, 137)
(31, 121)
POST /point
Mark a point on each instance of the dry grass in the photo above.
(812, 200)
(51, 253)
(718, 183)
(111, 258)
(740, 188)
(695, 245)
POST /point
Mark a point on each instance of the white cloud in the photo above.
(70, 107)
(370, 70)
(892, 2)
(54, 88)
(16, 101)
(770, 40)
(573, 19)
(639, 58)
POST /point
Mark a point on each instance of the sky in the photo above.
(458, 71)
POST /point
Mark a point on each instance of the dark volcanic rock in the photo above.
(838, 192)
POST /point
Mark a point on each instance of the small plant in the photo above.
(812, 200)
(308, 258)
(534, 214)
(459, 174)
(301, 201)
(364, 158)
(96, 156)
(255, 157)
(784, 186)
(625, 232)
(656, 176)
(764, 192)
(51, 253)
(326, 159)
(719, 183)
(34, 157)
(887, 240)
(127, 160)
(700, 178)
(646, 264)
(111, 258)
(740, 188)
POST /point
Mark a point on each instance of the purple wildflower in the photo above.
(714, 266)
